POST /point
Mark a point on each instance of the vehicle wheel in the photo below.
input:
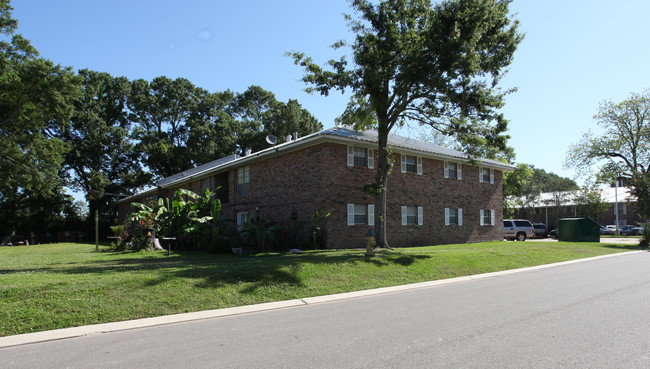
(521, 236)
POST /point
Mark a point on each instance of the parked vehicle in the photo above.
(606, 231)
(540, 230)
(630, 230)
(518, 229)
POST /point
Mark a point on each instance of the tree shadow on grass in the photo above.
(619, 246)
(218, 270)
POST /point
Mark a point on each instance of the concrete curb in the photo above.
(65, 333)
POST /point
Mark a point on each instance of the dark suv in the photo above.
(540, 230)
(518, 229)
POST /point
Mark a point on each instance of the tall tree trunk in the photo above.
(383, 169)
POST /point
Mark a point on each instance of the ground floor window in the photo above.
(361, 214)
(487, 217)
(242, 219)
(453, 216)
(412, 215)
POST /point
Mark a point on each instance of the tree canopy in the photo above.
(107, 136)
(621, 149)
(434, 65)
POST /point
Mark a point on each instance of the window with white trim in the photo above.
(361, 157)
(411, 164)
(359, 214)
(243, 181)
(487, 217)
(486, 175)
(453, 170)
(242, 219)
(412, 215)
(453, 216)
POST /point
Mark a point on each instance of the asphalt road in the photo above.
(585, 315)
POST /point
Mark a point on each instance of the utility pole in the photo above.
(616, 204)
(97, 230)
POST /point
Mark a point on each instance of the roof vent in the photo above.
(288, 138)
(248, 151)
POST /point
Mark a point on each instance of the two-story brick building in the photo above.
(435, 196)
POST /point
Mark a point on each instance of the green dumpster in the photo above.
(578, 230)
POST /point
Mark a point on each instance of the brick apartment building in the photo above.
(434, 195)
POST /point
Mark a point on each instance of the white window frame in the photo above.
(243, 181)
(242, 219)
(459, 213)
(370, 156)
(483, 216)
(480, 175)
(459, 170)
(370, 213)
(419, 213)
(418, 164)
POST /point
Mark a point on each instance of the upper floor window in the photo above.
(243, 181)
(453, 170)
(486, 175)
(411, 164)
(361, 157)
(453, 216)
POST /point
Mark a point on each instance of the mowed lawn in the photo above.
(63, 285)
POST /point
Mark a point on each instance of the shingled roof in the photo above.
(339, 134)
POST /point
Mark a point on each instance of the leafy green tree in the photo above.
(519, 189)
(212, 128)
(436, 65)
(590, 203)
(36, 99)
(523, 186)
(161, 110)
(102, 161)
(622, 149)
(551, 182)
(260, 114)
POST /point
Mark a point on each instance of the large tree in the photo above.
(436, 65)
(36, 101)
(161, 110)
(259, 114)
(621, 149)
(102, 161)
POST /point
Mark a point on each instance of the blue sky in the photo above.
(576, 54)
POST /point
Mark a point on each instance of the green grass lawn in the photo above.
(63, 285)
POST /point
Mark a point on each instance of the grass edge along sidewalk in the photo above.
(58, 286)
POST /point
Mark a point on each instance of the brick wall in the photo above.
(289, 188)
(430, 190)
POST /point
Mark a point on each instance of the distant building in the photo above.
(435, 195)
(551, 206)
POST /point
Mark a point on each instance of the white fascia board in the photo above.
(425, 154)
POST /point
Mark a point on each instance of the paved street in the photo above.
(583, 315)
